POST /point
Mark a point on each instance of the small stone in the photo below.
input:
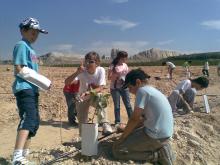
(190, 158)
(194, 143)
(199, 156)
(176, 136)
(200, 134)
(209, 128)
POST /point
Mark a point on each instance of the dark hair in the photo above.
(202, 81)
(25, 28)
(120, 54)
(93, 56)
(163, 63)
(133, 75)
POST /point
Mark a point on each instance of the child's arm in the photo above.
(71, 79)
(189, 107)
(134, 121)
(109, 74)
(191, 103)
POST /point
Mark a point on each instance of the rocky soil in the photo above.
(196, 139)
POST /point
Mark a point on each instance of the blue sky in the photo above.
(79, 26)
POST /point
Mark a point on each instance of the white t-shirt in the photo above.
(183, 86)
(87, 79)
(171, 65)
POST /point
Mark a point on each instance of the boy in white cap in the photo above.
(26, 92)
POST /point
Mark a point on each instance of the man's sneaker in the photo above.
(20, 161)
(106, 129)
(165, 155)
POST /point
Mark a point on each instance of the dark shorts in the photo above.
(27, 103)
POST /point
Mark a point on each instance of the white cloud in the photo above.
(63, 47)
(120, 1)
(212, 24)
(164, 42)
(131, 47)
(122, 24)
(66, 49)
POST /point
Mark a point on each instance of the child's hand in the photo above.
(85, 95)
(189, 109)
(50, 86)
(81, 68)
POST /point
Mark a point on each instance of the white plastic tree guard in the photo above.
(35, 78)
(207, 108)
(89, 145)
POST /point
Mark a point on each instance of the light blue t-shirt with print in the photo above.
(24, 54)
(157, 112)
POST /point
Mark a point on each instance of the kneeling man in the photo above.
(148, 131)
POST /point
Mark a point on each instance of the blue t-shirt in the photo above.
(157, 112)
(24, 54)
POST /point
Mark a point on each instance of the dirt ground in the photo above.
(196, 138)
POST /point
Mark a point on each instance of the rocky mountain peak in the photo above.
(154, 54)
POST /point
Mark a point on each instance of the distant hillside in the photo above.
(56, 58)
(148, 57)
(197, 56)
(154, 54)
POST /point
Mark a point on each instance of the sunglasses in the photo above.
(90, 62)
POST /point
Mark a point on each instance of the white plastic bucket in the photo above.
(89, 134)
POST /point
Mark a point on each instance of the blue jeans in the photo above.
(71, 104)
(124, 93)
(27, 103)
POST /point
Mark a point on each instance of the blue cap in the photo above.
(32, 23)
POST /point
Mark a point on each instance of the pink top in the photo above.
(118, 76)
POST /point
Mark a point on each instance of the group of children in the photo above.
(150, 124)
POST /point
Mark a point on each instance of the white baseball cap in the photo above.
(32, 23)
